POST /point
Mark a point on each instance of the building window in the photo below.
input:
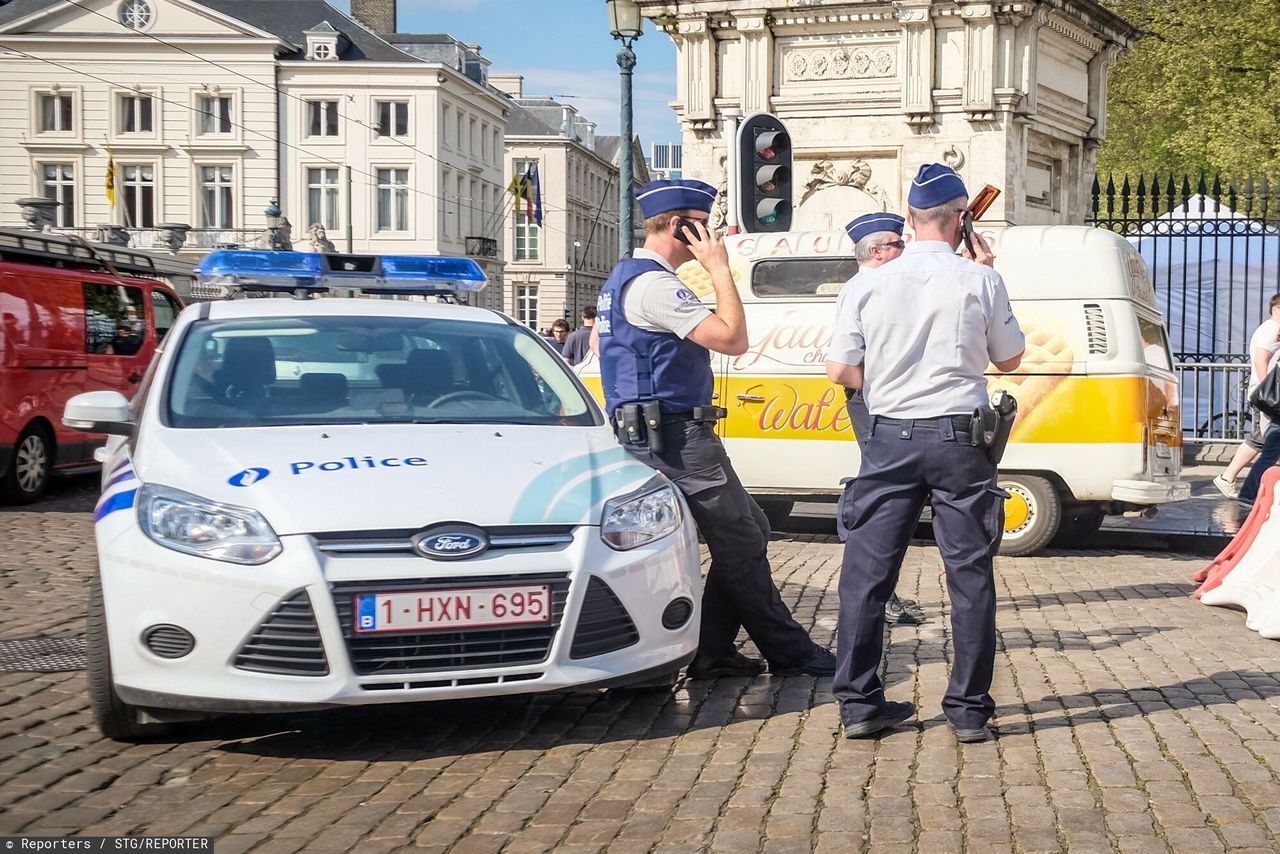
(445, 181)
(527, 305)
(136, 14)
(322, 197)
(216, 197)
(56, 113)
(58, 182)
(393, 118)
(322, 50)
(484, 142)
(322, 118)
(458, 126)
(139, 196)
(393, 200)
(135, 114)
(458, 206)
(215, 113)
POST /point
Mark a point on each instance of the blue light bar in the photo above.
(458, 274)
(264, 270)
(387, 274)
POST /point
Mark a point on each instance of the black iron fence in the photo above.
(1213, 249)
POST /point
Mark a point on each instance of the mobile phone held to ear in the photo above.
(681, 225)
(966, 232)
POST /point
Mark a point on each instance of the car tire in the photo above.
(777, 512)
(1079, 523)
(1032, 514)
(28, 474)
(116, 719)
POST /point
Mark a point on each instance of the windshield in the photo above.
(368, 370)
(798, 277)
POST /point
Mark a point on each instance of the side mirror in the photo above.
(99, 412)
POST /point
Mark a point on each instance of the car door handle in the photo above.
(751, 398)
(134, 377)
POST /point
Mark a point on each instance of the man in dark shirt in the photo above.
(578, 344)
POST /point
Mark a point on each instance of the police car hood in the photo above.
(377, 477)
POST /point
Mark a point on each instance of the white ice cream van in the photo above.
(323, 502)
(1098, 430)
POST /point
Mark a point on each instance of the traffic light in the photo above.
(764, 174)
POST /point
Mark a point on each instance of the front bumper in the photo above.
(281, 636)
(1150, 491)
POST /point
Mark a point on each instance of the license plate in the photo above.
(463, 608)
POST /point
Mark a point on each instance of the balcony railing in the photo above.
(196, 239)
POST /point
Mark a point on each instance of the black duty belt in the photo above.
(959, 423)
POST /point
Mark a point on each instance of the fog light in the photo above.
(168, 641)
(677, 613)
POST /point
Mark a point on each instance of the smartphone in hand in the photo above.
(966, 232)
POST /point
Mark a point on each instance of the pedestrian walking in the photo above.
(578, 344)
(654, 337)
(1263, 344)
(924, 329)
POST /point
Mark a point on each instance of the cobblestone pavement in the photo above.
(1131, 718)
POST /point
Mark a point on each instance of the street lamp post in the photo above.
(273, 214)
(626, 25)
(573, 277)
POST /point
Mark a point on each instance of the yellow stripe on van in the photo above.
(1062, 409)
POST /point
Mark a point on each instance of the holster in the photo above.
(639, 424)
(990, 426)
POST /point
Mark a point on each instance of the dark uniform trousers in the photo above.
(903, 464)
(739, 591)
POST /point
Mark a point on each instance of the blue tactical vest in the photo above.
(638, 365)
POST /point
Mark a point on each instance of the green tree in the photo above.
(1199, 91)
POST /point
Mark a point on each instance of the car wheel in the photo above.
(1079, 523)
(28, 475)
(777, 512)
(1031, 514)
(116, 719)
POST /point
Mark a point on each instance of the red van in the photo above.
(71, 321)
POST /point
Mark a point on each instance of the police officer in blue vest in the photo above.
(923, 330)
(654, 337)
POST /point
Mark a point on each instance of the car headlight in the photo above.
(188, 523)
(648, 514)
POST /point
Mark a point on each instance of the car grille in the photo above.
(399, 541)
(604, 624)
(442, 649)
(286, 642)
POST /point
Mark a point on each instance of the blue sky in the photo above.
(563, 48)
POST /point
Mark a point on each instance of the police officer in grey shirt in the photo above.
(923, 330)
(655, 339)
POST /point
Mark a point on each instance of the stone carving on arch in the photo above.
(856, 175)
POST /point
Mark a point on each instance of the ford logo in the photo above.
(452, 542)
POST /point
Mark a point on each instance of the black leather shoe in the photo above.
(891, 714)
(903, 612)
(736, 664)
(971, 736)
(821, 662)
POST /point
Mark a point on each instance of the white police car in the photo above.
(324, 502)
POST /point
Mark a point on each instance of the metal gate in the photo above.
(1213, 249)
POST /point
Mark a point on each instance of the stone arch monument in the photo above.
(1009, 93)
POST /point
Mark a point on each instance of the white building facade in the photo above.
(1012, 94)
(210, 110)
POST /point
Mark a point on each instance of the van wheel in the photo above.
(1031, 514)
(28, 475)
(116, 719)
(1079, 523)
(777, 512)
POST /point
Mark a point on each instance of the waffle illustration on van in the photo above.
(1046, 350)
(698, 279)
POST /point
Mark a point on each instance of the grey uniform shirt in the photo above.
(658, 301)
(924, 328)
